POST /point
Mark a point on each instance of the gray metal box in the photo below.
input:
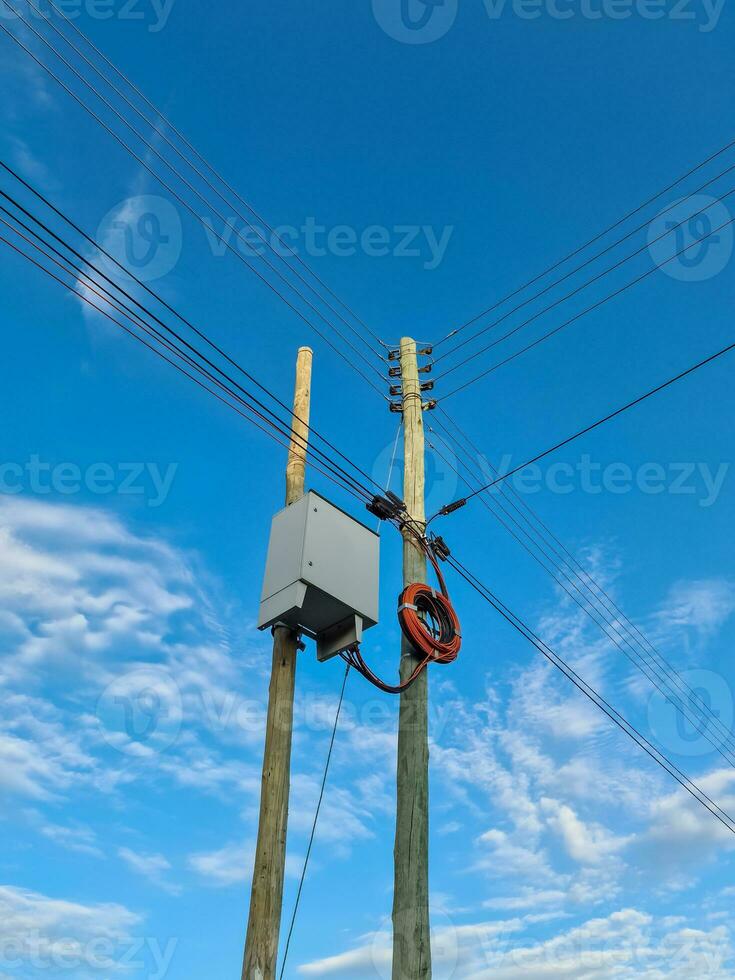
(321, 575)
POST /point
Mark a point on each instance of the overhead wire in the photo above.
(263, 238)
(314, 824)
(595, 425)
(128, 272)
(670, 230)
(600, 594)
(318, 459)
(578, 316)
(202, 220)
(615, 716)
(667, 682)
(592, 241)
(121, 307)
(283, 241)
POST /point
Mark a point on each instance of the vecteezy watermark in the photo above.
(424, 21)
(141, 712)
(149, 957)
(154, 14)
(150, 481)
(684, 242)
(415, 21)
(683, 721)
(701, 481)
(424, 242)
(144, 235)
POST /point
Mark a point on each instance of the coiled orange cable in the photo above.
(428, 622)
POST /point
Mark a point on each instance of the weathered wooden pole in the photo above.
(266, 899)
(411, 936)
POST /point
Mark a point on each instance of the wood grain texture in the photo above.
(411, 936)
(266, 898)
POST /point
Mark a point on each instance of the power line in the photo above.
(583, 313)
(285, 429)
(203, 221)
(592, 241)
(602, 421)
(652, 671)
(635, 637)
(210, 167)
(201, 175)
(575, 292)
(333, 472)
(313, 828)
(197, 331)
(656, 754)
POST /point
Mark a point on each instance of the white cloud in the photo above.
(79, 839)
(48, 931)
(233, 864)
(684, 831)
(585, 843)
(702, 606)
(626, 945)
(153, 867)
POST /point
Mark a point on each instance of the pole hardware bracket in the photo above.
(394, 372)
(394, 354)
(396, 390)
(427, 385)
(396, 407)
(425, 351)
(429, 406)
(427, 368)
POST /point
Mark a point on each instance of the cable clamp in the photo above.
(408, 605)
(387, 508)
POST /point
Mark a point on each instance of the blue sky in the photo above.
(134, 511)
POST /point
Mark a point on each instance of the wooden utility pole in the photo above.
(411, 937)
(266, 898)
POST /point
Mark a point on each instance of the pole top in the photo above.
(306, 350)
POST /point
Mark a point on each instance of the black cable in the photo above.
(207, 164)
(575, 292)
(656, 754)
(316, 820)
(345, 486)
(592, 241)
(607, 418)
(279, 425)
(599, 595)
(127, 311)
(585, 312)
(652, 672)
(205, 224)
(199, 333)
(197, 171)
